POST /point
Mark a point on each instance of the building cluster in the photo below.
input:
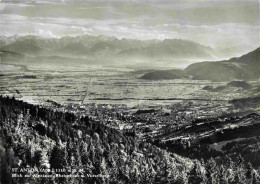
(151, 122)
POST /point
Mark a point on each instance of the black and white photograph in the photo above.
(129, 92)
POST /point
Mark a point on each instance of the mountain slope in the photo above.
(170, 49)
(246, 67)
(26, 46)
(6, 56)
(63, 140)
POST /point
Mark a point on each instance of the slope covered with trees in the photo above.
(36, 137)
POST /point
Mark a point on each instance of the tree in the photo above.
(210, 170)
(58, 158)
(195, 176)
(255, 179)
(236, 179)
(249, 170)
(221, 175)
(36, 160)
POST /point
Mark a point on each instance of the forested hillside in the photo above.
(36, 137)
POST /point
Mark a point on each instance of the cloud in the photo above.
(225, 23)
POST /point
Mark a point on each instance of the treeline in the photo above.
(36, 137)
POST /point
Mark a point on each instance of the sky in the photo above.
(215, 23)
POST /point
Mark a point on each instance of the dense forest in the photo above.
(36, 137)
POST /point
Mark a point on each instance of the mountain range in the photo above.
(85, 46)
(141, 54)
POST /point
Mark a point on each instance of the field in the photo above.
(104, 85)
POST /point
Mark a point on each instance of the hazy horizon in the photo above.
(210, 23)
